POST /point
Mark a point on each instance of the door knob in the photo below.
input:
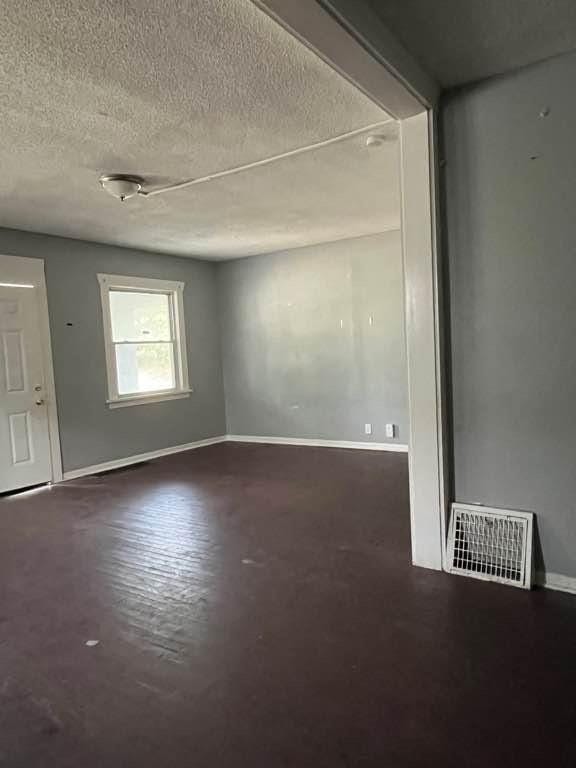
(40, 402)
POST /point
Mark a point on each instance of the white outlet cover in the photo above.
(390, 430)
(367, 429)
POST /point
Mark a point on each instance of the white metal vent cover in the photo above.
(491, 544)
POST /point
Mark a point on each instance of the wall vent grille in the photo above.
(491, 544)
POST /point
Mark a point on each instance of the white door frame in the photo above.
(353, 40)
(16, 269)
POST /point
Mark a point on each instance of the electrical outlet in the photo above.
(367, 429)
(390, 430)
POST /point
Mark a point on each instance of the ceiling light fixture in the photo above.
(121, 186)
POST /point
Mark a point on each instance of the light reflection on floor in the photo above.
(158, 564)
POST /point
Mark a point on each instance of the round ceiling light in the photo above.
(121, 186)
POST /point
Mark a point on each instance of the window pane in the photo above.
(140, 316)
(145, 367)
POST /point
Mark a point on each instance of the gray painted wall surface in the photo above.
(511, 225)
(90, 432)
(290, 369)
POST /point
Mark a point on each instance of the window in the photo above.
(145, 340)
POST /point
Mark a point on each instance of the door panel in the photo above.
(24, 431)
(14, 361)
(20, 437)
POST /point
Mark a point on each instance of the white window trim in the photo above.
(151, 285)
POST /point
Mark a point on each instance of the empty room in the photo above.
(286, 384)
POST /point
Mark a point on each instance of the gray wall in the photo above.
(511, 230)
(89, 431)
(290, 369)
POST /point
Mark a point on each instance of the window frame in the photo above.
(175, 291)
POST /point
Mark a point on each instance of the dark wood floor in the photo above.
(254, 607)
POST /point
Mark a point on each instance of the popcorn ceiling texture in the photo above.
(172, 90)
(460, 41)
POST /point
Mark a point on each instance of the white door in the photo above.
(24, 428)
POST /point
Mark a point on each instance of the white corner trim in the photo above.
(557, 582)
(344, 48)
(428, 462)
(364, 446)
(73, 474)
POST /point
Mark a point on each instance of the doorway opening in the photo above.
(352, 41)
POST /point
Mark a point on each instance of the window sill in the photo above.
(153, 397)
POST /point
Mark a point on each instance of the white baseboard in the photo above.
(557, 581)
(94, 469)
(364, 446)
(125, 462)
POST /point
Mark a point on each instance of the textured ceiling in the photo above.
(459, 41)
(174, 90)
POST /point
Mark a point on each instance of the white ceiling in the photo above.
(173, 90)
(459, 41)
